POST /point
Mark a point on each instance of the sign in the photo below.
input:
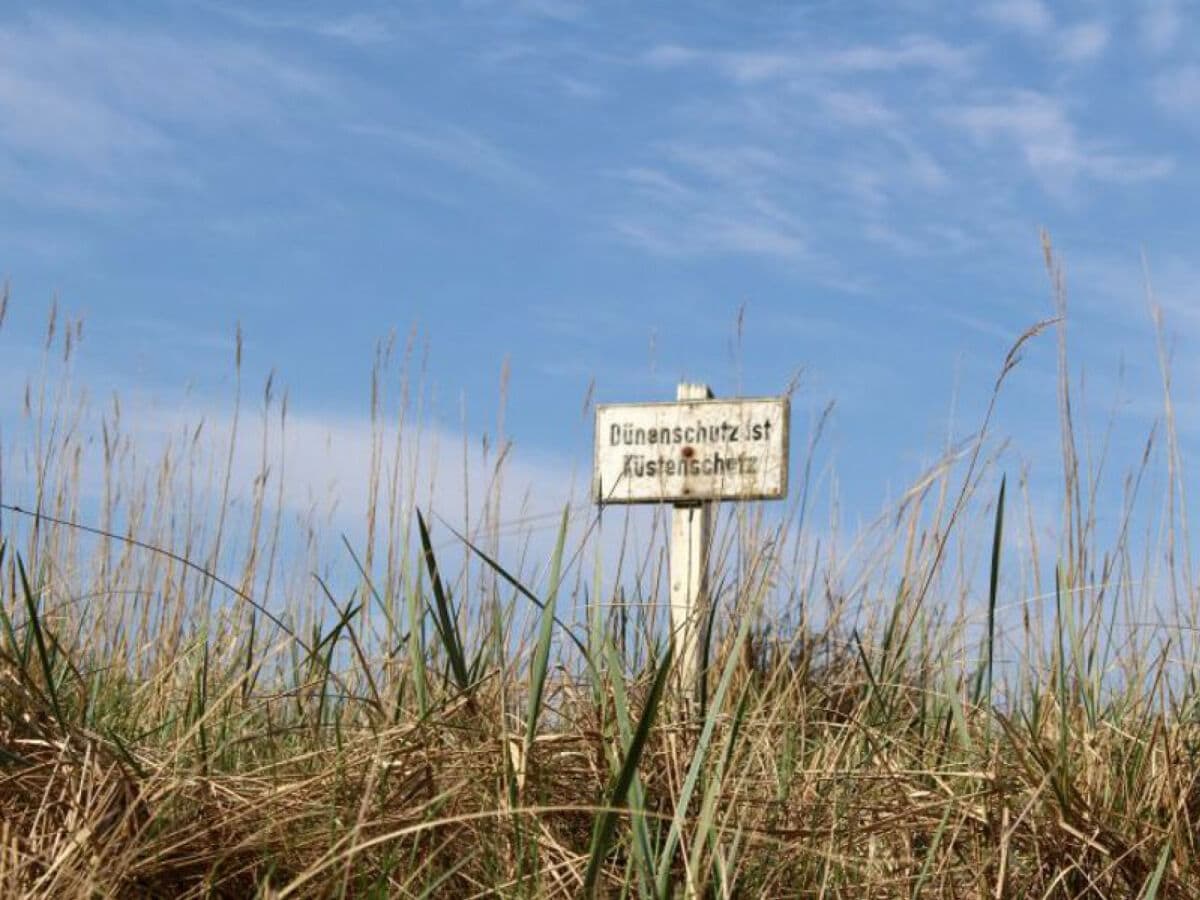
(692, 450)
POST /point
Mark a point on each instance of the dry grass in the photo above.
(939, 710)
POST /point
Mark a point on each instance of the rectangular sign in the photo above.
(692, 450)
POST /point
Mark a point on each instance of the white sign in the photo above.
(692, 450)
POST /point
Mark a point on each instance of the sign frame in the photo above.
(613, 497)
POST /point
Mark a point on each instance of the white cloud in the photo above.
(750, 67)
(1084, 42)
(1178, 92)
(913, 52)
(324, 463)
(559, 10)
(457, 148)
(1031, 17)
(744, 165)
(655, 183)
(1160, 25)
(709, 198)
(1079, 43)
(698, 233)
(757, 238)
(49, 245)
(157, 77)
(360, 29)
(857, 108)
(670, 55)
(357, 28)
(754, 194)
(87, 108)
(1049, 143)
(42, 118)
(579, 89)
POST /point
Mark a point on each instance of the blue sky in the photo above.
(594, 192)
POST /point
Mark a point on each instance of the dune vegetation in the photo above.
(943, 705)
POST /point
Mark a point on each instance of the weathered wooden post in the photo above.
(691, 453)
(691, 535)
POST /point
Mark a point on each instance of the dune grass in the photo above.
(192, 706)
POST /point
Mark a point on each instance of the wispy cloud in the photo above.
(698, 233)
(157, 76)
(1039, 129)
(1160, 25)
(581, 89)
(1084, 42)
(40, 116)
(1177, 92)
(49, 245)
(706, 198)
(357, 28)
(754, 195)
(913, 52)
(457, 148)
(560, 10)
(324, 462)
(1080, 42)
(750, 67)
(858, 108)
(360, 29)
(1032, 17)
(86, 107)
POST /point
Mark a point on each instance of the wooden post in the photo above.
(690, 538)
(692, 453)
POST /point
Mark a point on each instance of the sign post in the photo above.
(691, 453)
(691, 536)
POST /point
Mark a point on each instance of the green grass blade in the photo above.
(345, 616)
(416, 647)
(35, 624)
(705, 826)
(643, 852)
(10, 632)
(444, 613)
(934, 844)
(732, 662)
(983, 685)
(521, 589)
(393, 630)
(325, 665)
(541, 654)
(1150, 892)
(606, 821)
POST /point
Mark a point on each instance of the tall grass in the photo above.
(193, 704)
